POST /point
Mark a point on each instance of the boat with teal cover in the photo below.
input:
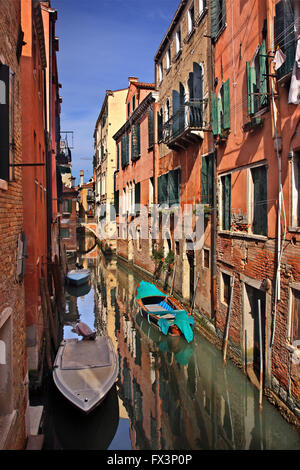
(78, 277)
(164, 311)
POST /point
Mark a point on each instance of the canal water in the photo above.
(170, 394)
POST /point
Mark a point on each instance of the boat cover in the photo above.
(146, 289)
(86, 354)
(183, 321)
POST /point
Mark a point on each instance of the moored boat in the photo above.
(78, 277)
(84, 371)
(164, 311)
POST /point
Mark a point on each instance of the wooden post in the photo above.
(260, 357)
(228, 322)
(173, 277)
(46, 324)
(194, 295)
(50, 314)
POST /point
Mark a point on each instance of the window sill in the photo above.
(201, 15)
(189, 35)
(177, 55)
(294, 229)
(219, 32)
(251, 236)
(3, 185)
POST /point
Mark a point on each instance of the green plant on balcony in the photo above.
(169, 261)
(158, 255)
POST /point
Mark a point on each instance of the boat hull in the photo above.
(78, 277)
(85, 371)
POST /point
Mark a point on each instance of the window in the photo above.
(258, 203)
(220, 109)
(257, 81)
(285, 35)
(6, 376)
(169, 188)
(191, 19)
(160, 72)
(218, 17)
(160, 125)
(125, 150)
(67, 205)
(137, 197)
(202, 6)
(178, 41)
(195, 86)
(225, 288)
(118, 156)
(226, 202)
(150, 128)
(296, 190)
(128, 109)
(133, 103)
(168, 59)
(135, 142)
(64, 233)
(295, 318)
(7, 144)
(207, 179)
(205, 258)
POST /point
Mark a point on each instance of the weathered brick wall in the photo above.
(11, 223)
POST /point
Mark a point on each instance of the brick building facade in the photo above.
(13, 357)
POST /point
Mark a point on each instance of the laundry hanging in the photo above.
(279, 58)
(294, 93)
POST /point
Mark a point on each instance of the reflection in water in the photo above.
(171, 394)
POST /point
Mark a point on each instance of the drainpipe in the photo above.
(276, 134)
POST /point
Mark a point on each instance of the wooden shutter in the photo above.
(250, 74)
(172, 190)
(175, 107)
(204, 175)
(163, 189)
(263, 79)
(214, 17)
(150, 128)
(260, 205)
(159, 125)
(285, 37)
(226, 105)
(70, 205)
(127, 149)
(4, 122)
(210, 178)
(226, 202)
(198, 94)
(214, 114)
(191, 85)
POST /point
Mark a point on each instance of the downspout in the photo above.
(49, 146)
(278, 148)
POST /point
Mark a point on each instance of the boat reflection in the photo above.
(70, 429)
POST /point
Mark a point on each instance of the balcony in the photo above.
(186, 126)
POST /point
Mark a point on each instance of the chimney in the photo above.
(133, 80)
(81, 177)
(73, 182)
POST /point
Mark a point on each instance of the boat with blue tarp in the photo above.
(164, 311)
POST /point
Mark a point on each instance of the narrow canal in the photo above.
(170, 395)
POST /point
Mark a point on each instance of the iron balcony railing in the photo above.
(188, 117)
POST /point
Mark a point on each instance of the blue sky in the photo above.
(102, 43)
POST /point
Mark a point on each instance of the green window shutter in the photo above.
(174, 186)
(210, 178)
(150, 128)
(118, 156)
(116, 202)
(163, 189)
(138, 136)
(70, 205)
(263, 79)
(204, 175)
(226, 104)
(226, 202)
(285, 36)
(133, 143)
(159, 125)
(127, 148)
(217, 16)
(260, 195)
(4, 122)
(214, 114)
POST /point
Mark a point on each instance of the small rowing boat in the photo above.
(164, 311)
(84, 370)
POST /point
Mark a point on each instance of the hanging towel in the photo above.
(294, 93)
(279, 58)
